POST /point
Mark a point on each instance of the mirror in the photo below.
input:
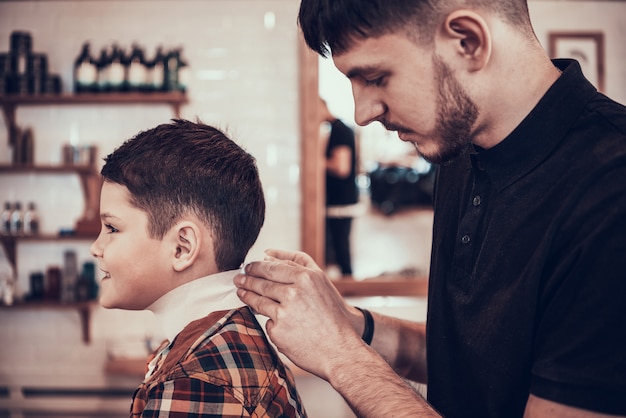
(391, 234)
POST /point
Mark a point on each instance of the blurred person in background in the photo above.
(341, 190)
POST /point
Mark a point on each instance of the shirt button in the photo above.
(465, 239)
(476, 201)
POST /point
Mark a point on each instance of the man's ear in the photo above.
(187, 241)
(467, 36)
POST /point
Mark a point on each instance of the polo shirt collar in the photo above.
(541, 131)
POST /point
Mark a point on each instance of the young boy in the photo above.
(181, 205)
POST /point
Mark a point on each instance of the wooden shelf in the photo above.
(83, 309)
(48, 169)
(9, 103)
(175, 98)
(47, 237)
(389, 286)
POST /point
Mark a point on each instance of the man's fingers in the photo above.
(259, 304)
(298, 257)
(272, 270)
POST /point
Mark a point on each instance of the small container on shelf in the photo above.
(53, 283)
(31, 220)
(37, 288)
(17, 219)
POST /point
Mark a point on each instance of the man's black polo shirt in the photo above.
(528, 270)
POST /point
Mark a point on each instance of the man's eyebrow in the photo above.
(359, 71)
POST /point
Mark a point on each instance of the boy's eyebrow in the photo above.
(107, 215)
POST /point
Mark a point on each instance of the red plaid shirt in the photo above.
(219, 366)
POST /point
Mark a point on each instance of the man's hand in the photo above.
(308, 319)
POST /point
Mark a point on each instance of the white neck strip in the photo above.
(195, 300)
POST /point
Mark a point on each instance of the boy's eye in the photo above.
(110, 228)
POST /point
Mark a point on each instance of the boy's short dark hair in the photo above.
(191, 168)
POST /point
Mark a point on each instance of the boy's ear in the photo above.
(187, 240)
(466, 35)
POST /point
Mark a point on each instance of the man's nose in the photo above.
(367, 108)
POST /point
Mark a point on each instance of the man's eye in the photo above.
(374, 82)
(111, 228)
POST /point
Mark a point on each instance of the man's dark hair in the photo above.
(333, 25)
(191, 168)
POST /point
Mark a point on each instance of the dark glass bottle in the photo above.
(21, 47)
(117, 70)
(172, 60)
(136, 79)
(37, 72)
(27, 144)
(85, 71)
(156, 71)
(183, 73)
(102, 65)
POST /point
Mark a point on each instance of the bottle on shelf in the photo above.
(28, 146)
(86, 286)
(117, 69)
(172, 62)
(20, 49)
(17, 219)
(69, 277)
(23, 149)
(6, 218)
(37, 72)
(156, 71)
(136, 78)
(183, 73)
(31, 220)
(37, 288)
(85, 71)
(53, 279)
(102, 66)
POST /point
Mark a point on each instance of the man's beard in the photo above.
(456, 115)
